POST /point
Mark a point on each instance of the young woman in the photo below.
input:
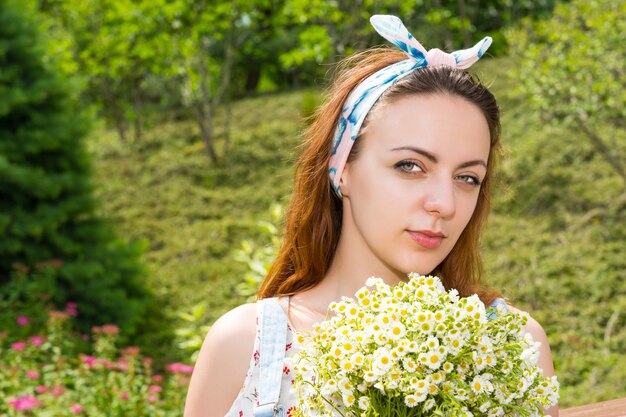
(394, 177)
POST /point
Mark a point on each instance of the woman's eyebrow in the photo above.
(420, 151)
(434, 159)
(472, 163)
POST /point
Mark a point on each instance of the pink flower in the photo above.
(32, 375)
(155, 388)
(122, 366)
(107, 364)
(173, 367)
(22, 320)
(72, 311)
(18, 346)
(131, 351)
(110, 329)
(71, 308)
(124, 395)
(152, 398)
(58, 390)
(157, 378)
(25, 402)
(179, 368)
(89, 360)
(41, 389)
(37, 340)
(77, 408)
(61, 315)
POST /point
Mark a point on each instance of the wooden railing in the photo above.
(612, 408)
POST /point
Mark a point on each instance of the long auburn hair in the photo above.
(312, 223)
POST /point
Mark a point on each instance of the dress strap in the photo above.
(273, 325)
(496, 305)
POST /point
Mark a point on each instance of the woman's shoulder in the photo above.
(222, 364)
(232, 337)
(235, 324)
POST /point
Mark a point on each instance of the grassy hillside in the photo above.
(555, 243)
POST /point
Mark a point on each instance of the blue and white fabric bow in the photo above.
(364, 95)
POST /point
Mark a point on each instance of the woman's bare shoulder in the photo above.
(222, 364)
(238, 322)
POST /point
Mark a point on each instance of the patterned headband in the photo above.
(364, 95)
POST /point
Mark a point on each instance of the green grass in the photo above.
(555, 243)
(193, 214)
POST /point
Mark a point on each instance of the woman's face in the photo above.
(414, 183)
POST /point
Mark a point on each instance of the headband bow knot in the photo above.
(364, 95)
(392, 29)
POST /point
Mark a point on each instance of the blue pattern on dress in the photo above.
(492, 311)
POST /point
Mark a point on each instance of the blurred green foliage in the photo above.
(194, 216)
(50, 368)
(567, 232)
(190, 334)
(572, 69)
(48, 211)
(142, 61)
(259, 257)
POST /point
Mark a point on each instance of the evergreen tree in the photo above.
(47, 208)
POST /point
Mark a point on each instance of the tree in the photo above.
(116, 45)
(48, 211)
(185, 46)
(327, 31)
(572, 69)
(207, 45)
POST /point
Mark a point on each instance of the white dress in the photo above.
(249, 395)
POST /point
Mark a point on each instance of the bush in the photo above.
(48, 212)
(572, 70)
(53, 370)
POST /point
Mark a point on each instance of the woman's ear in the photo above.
(344, 180)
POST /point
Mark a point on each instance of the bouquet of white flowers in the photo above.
(417, 350)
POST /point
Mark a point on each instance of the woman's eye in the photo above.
(409, 167)
(470, 180)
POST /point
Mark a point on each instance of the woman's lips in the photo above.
(427, 238)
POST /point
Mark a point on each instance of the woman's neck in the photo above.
(345, 276)
(352, 264)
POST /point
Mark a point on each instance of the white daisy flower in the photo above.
(364, 403)
(348, 399)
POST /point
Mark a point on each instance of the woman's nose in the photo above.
(440, 200)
